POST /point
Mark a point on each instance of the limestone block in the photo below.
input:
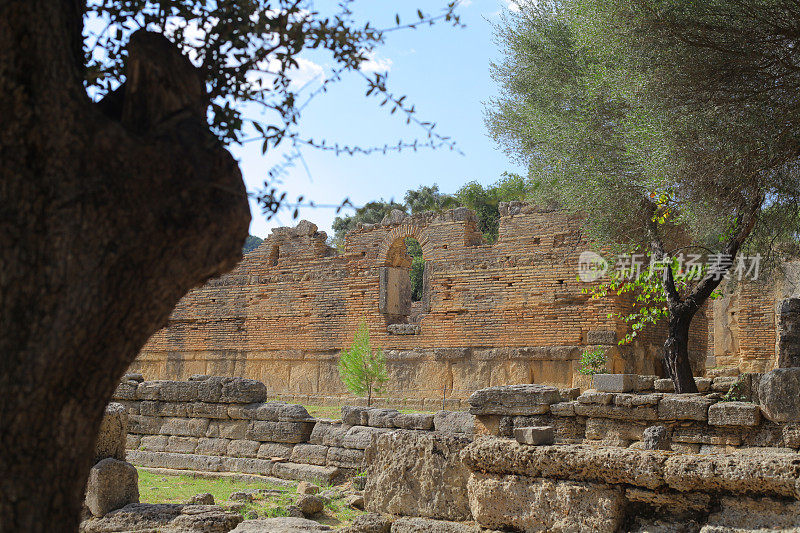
(646, 383)
(779, 395)
(311, 473)
(125, 391)
(703, 384)
(616, 412)
(791, 435)
(655, 438)
(734, 414)
(154, 443)
(132, 441)
(159, 408)
(148, 390)
(242, 390)
(723, 383)
(270, 411)
(178, 391)
(212, 446)
(113, 433)
(699, 433)
(592, 396)
(381, 418)
(355, 415)
(182, 444)
(527, 504)
(227, 429)
(603, 428)
(414, 473)
(144, 425)
(243, 448)
(767, 474)
(570, 461)
(601, 336)
(185, 427)
(209, 390)
(268, 450)
(166, 518)
(178, 461)
(312, 454)
(513, 400)
(360, 437)
(756, 514)
(454, 422)
(289, 432)
(282, 524)
(345, 458)
(615, 382)
(563, 409)
(427, 525)
(419, 421)
(664, 385)
(247, 465)
(670, 501)
(208, 410)
(534, 435)
(638, 400)
(112, 484)
(321, 429)
(569, 394)
(683, 407)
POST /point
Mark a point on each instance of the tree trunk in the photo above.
(676, 349)
(109, 214)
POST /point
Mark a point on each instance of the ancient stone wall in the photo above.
(511, 312)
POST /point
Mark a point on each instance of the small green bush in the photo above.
(593, 361)
(361, 370)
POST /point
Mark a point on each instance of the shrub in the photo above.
(361, 370)
(593, 361)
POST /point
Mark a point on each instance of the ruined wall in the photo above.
(511, 312)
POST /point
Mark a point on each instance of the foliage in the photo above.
(428, 198)
(593, 361)
(362, 370)
(369, 213)
(485, 201)
(251, 243)
(736, 392)
(247, 51)
(672, 126)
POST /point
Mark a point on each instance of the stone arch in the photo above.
(395, 300)
(399, 233)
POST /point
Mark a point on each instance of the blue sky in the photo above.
(445, 73)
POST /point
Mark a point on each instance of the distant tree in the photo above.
(369, 213)
(673, 126)
(485, 201)
(417, 271)
(362, 369)
(428, 198)
(251, 243)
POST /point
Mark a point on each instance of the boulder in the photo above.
(779, 394)
(281, 525)
(112, 485)
(355, 501)
(655, 438)
(310, 505)
(304, 487)
(201, 499)
(113, 433)
(165, 518)
(513, 400)
(527, 504)
(417, 474)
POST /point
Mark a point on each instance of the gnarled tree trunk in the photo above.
(109, 214)
(676, 349)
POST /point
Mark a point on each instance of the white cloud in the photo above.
(376, 64)
(305, 72)
(511, 5)
(465, 3)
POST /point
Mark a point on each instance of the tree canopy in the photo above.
(672, 125)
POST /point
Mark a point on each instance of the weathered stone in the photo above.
(289, 432)
(358, 437)
(177, 391)
(177, 461)
(154, 443)
(703, 384)
(513, 400)
(185, 427)
(356, 501)
(112, 484)
(312, 454)
(321, 429)
(420, 421)
(125, 391)
(699, 433)
(534, 435)
(281, 525)
(370, 523)
(454, 422)
(655, 438)
(247, 465)
(241, 496)
(242, 390)
(148, 390)
(638, 400)
(310, 505)
(527, 504)
(761, 514)
(201, 499)
(779, 395)
(683, 407)
(304, 487)
(269, 450)
(144, 425)
(723, 384)
(417, 474)
(182, 444)
(426, 525)
(270, 411)
(615, 411)
(645, 383)
(113, 432)
(664, 385)
(670, 501)
(227, 429)
(300, 472)
(345, 458)
(132, 441)
(209, 389)
(615, 382)
(563, 409)
(243, 448)
(208, 410)
(381, 418)
(574, 462)
(207, 446)
(734, 414)
(355, 415)
(164, 518)
(596, 397)
(791, 435)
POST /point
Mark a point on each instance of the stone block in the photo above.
(616, 412)
(359, 437)
(674, 503)
(596, 397)
(684, 407)
(125, 391)
(703, 384)
(311, 454)
(734, 414)
(132, 441)
(419, 421)
(185, 427)
(428, 525)
(270, 411)
(355, 415)
(242, 390)
(655, 438)
(113, 433)
(569, 394)
(699, 433)
(154, 443)
(605, 337)
(615, 382)
(289, 432)
(178, 391)
(418, 474)
(525, 504)
(270, 450)
(209, 390)
(166, 518)
(646, 383)
(321, 429)
(755, 514)
(148, 390)
(779, 395)
(284, 524)
(243, 448)
(381, 418)
(345, 458)
(182, 444)
(321, 475)
(165, 409)
(227, 429)
(664, 385)
(454, 422)
(723, 384)
(212, 446)
(606, 429)
(534, 435)
(208, 410)
(791, 435)
(112, 484)
(513, 400)
(177, 461)
(638, 400)
(247, 465)
(563, 409)
(144, 425)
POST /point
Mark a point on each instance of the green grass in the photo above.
(161, 488)
(335, 412)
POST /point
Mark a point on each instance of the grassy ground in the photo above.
(335, 412)
(273, 501)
